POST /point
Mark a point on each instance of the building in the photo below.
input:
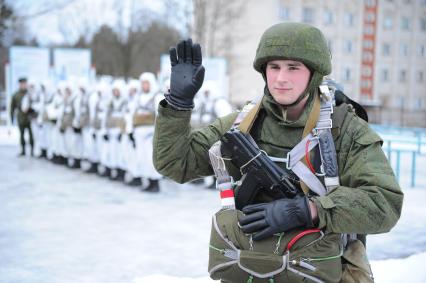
(378, 50)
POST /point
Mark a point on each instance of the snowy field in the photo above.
(62, 225)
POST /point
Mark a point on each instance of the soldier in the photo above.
(132, 176)
(43, 99)
(91, 149)
(101, 139)
(80, 124)
(32, 100)
(115, 124)
(66, 133)
(53, 110)
(209, 105)
(144, 130)
(23, 110)
(310, 227)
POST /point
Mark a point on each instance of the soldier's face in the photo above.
(146, 86)
(23, 85)
(286, 80)
(116, 92)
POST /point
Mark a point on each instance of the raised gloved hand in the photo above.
(265, 219)
(187, 75)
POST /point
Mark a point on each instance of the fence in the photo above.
(405, 148)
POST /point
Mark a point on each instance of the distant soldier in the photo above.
(79, 123)
(53, 114)
(101, 129)
(132, 176)
(23, 110)
(42, 99)
(91, 151)
(209, 105)
(66, 136)
(115, 125)
(144, 130)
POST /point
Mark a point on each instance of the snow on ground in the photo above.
(62, 225)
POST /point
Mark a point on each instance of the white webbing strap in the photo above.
(294, 163)
(295, 156)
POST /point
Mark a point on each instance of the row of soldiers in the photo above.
(106, 128)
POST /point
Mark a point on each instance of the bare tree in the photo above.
(213, 22)
(179, 14)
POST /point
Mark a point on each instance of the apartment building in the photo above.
(378, 50)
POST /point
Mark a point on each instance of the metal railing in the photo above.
(405, 148)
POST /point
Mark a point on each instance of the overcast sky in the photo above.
(63, 21)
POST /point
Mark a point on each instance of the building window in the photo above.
(423, 24)
(418, 103)
(284, 13)
(403, 49)
(308, 15)
(402, 76)
(368, 44)
(367, 56)
(386, 49)
(346, 75)
(405, 23)
(384, 75)
(349, 19)
(367, 71)
(370, 3)
(328, 17)
(422, 50)
(399, 101)
(420, 76)
(387, 23)
(347, 46)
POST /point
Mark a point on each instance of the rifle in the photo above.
(257, 169)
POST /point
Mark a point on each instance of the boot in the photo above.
(121, 174)
(32, 151)
(114, 174)
(153, 186)
(22, 153)
(77, 164)
(135, 182)
(43, 153)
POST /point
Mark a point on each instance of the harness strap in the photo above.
(246, 120)
(224, 181)
(320, 135)
(310, 124)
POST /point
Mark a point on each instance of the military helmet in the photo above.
(294, 41)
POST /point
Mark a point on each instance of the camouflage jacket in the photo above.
(369, 199)
(16, 104)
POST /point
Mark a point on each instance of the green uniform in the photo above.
(367, 201)
(23, 117)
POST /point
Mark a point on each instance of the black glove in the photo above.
(187, 75)
(132, 139)
(105, 137)
(119, 137)
(76, 130)
(267, 219)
